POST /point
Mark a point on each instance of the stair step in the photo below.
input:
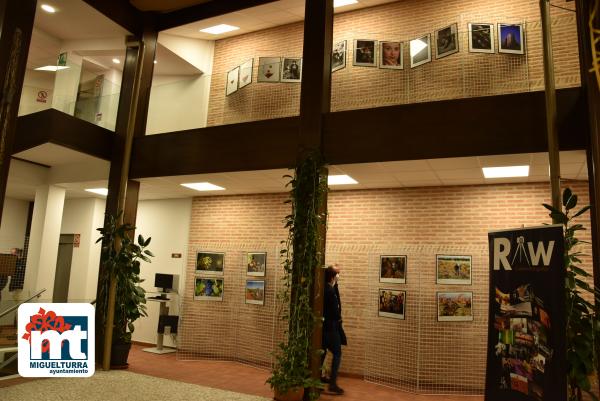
(9, 349)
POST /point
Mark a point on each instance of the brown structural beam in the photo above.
(53, 126)
(16, 25)
(205, 10)
(121, 12)
(453, 128)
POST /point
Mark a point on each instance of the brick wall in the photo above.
(417, 354)
(459, 75)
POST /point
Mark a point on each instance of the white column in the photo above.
(43, 241)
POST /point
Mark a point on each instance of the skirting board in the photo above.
(164, 350)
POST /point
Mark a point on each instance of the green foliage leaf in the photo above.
(582, 211)
(566, 195)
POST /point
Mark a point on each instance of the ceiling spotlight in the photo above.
(505, 172)
(48, 8)
(218, 29)
(203, 186)
(154, 61)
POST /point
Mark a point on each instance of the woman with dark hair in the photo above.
(333, 334)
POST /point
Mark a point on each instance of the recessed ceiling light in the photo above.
(342, 3)
(116, 61)
(51, 68)
(203, 186)
(217, 29)
(340, 180)
(99, 191)
(154, 61)
(505, 172)
(48, 8)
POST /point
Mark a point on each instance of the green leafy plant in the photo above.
(302, 256)
(121, 257)
(581, 318)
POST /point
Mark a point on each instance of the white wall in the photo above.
(34, 82)
(167, 222)
(14, 223)
(83, 216)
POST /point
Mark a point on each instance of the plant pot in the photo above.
(119, 354)
(293, 394)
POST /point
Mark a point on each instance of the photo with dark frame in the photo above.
(255, 292)
(291, 69)
(392, 269)
(256, 263)
(208, 289)
(446, 41)
(392, 303)
(210, 263)
(338, 56)
(365, 53)
(481, 38)
(455, 306)
(451, 269)
(511, 39)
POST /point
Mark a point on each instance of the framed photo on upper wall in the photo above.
(364, 53)
(255, 292)
(291, 69)
(452, 269)
(392, 303)
(338, 56)
(392, 269)
(232, 81)
(268, 69)
(391, 55)
(246, 73)
(446, 41)
(511, 39)
(208, 289)
(481, 38)
(257, 263)
(455, 306)
(210, 263)
(420, 51)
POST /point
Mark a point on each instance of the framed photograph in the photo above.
(511, 39)
(364, 53)
(455, 306)
(391, 55)
(268, 69)
(232, 81)
(481, 38)
(453, 269)
(392, 269)
(246, 73)
(338, 56)
(210, 263)
(446, 41)
(391, 303)
(420, 51)
(255, 292)
(256, 263)
(291, 69)
(208, 289)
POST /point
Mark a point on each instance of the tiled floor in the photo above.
(246, 379)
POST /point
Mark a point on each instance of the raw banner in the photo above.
(526, 333)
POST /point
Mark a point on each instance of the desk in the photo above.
(164, 310)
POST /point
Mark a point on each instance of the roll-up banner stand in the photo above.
(526, 331)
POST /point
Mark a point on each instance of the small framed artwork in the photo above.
(210, 263)
(338, 56)
(208, 289)
(232, 81)
(446, 41)
(364, 52)
(511, 39)
(392, 269)
(291, 70)
(255, 292)
(268, 69)
(420, 51)
(246, 73)
(256, 263)
(391, 55)
(453, 269)
(455, 306)
(392, 303)
(481, 38)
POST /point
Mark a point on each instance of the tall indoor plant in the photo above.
(291, 374)
(121, 258)
(581, 314)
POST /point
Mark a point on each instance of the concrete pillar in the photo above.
(43, 241)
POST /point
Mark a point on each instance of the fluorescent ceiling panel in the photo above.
(99, 191)
(203, 186)
(218, 29)
(341, 180)
(506, 172)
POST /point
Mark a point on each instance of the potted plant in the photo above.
(581, 314)
(121, 258)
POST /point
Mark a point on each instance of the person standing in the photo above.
(333, 333)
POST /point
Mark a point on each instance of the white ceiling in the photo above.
(261, 17)
(68, 169)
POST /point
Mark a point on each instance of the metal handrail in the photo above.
(12, 308)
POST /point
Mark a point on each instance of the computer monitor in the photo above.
(166, 282)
